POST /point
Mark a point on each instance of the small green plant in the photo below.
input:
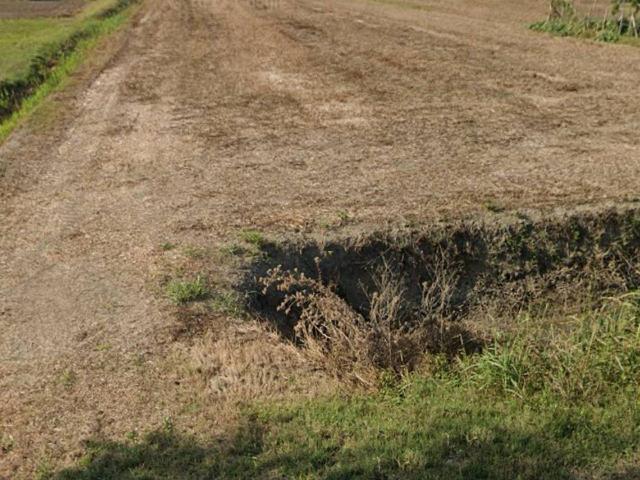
(341, 218)
(620, 21)
(168, 425)
(68, 378)
(166, 246)
(44, 470)
(103, 347)
(325, 223)
(253, 237)
(227, 303)
(185, 291)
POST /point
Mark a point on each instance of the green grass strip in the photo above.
(606, 30)
(52, 68)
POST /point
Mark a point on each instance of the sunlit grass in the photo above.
(23, 41)
(539, 402)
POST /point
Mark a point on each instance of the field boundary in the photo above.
(438, 282)
(55, 62)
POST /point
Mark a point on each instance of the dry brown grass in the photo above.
(250, 362)
(391, 337)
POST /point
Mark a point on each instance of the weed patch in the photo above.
(253, 237)
(619, 23)
(584, 357)
(185, 291)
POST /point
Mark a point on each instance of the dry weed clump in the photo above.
(392, 337)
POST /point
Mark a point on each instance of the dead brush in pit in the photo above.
(392, 337)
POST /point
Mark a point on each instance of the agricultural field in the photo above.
(27, 27)
(40, 8)
(319, 239)
(22, 40)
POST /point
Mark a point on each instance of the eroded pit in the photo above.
(430, 286)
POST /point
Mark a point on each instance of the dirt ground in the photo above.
(282, 116)
(39, 8)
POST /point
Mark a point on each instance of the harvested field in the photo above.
(40, 8)
(315, 119)
(420, 124)
(24, 40)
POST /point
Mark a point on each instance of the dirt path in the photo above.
(277, 115)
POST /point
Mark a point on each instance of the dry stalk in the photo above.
(391, 338)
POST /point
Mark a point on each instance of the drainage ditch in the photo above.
(437, 280)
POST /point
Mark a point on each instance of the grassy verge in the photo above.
(49, 50)
(553, 402)
(22, 39)
(593, 29)
(618, 25)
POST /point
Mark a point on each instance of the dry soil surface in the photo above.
(278, 115)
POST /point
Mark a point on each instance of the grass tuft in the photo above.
(167, 246)
(197, 253)
(68, 378)
(253, 237)
(185, 291)
(232, 250)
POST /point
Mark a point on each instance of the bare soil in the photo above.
(282, 116)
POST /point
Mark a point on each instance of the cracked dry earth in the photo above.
(279, 115)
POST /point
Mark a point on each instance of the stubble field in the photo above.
(208, 134)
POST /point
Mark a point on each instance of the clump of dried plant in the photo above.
(392, 337)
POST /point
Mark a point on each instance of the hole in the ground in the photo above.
(424, 289)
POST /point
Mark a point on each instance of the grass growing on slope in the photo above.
(619, 24)
(40, 54)
(21, 40)
(541, 402)
(595, 29)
